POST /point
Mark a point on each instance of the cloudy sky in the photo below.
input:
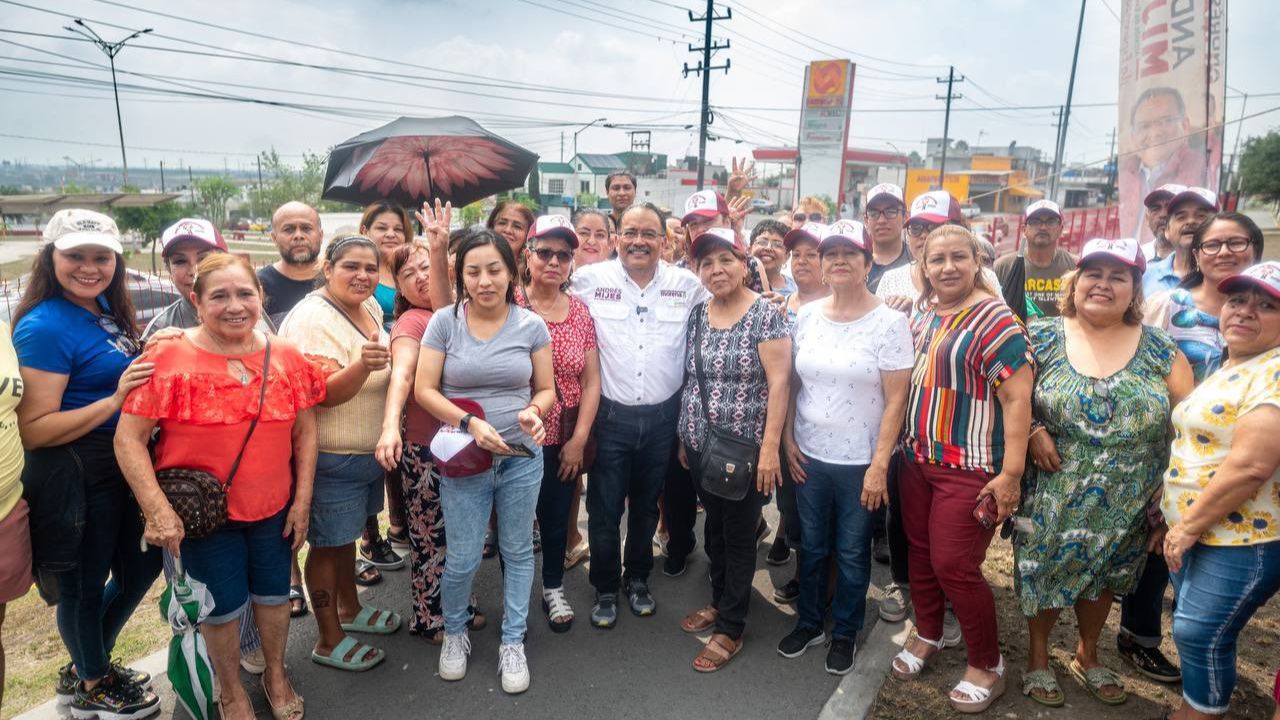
(534, 69)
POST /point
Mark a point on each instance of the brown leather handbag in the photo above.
(569, 423)
(198, 498)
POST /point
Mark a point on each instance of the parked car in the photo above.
(762, 205)
(971, 211)
(150, 295)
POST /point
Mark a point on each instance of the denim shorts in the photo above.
(348, 489)
(239, 562)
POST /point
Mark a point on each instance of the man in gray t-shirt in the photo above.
(494, 373)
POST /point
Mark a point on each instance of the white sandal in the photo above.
(559, 612)
(980, 698)
(914, 665)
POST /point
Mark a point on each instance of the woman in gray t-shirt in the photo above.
(490, 351)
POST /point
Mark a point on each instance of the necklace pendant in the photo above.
(244, 379)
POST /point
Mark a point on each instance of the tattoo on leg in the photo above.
(320, 598)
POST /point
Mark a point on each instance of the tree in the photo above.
(914, 159)
(282, 183)
(149, 222)
(1260, 167)
(473, 214)
(535, 182)
(587, 200)
(212, 194)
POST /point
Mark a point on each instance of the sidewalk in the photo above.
(639, 670)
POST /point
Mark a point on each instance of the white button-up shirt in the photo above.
(641, 331)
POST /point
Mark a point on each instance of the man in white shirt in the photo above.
(640, 306)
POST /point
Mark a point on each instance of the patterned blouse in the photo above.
(1195, 331)
(737, 389)
(954, 418)
(571, 339)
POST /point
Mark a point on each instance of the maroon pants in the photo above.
(947, 547)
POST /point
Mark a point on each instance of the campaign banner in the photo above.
(824, 128)
(1172, 100)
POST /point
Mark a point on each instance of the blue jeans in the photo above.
(512, 487)
(633, 447)
(1218, 590)
(239, 562)
(113, 575)
(348, 489)
(829, 507)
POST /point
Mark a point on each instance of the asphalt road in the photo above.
(639, 670)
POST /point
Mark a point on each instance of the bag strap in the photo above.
(347, 317)
(697, 361)
(522, 294)
(262, 398)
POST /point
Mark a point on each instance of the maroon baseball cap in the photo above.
(196, 230)
(705, 204)
(936, 207)
(1163, 193)
(1263, 276)
(554, 226)
(811, 231)
(850, 231)
(714, 238)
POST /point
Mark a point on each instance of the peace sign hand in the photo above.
(741, 174)
(435, 223)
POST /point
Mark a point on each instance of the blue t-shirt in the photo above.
(386, 297)
(58, 336)
(1159, 277)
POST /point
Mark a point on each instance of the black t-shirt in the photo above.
(873, 278)
(282, 292)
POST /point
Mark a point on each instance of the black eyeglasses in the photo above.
(890, 213)
(920, 229)
(812, 217)
(545, 255)
(1235, 245)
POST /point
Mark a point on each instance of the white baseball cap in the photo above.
(1043, 206)
(884, 190)
(1164, 192)
(73, 228)
(851, 231)
(201, 231)
(554, 226)
(1126, 250)
(811, 231)
(713, 237)
(936, 207)
(1202, 196)
(704, 203)
(1264, 276)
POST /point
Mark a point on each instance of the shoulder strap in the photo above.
(697, 361)
(262, 398)
(347, 317)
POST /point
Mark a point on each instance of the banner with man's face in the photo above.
(1172, 99)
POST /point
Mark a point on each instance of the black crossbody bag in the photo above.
(728, 461)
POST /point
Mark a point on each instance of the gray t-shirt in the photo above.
(496, 373)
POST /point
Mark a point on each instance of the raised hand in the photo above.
(435, 223)
(741, 174)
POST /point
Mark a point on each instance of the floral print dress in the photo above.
(1089, 525)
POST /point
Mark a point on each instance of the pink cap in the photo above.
(554, 226)
(849, 230)
(1202, 196)
(1126, 250)
(935, 207)
(714, 238)
(704, 203)
(1264, 276)
(885, 190)
(1043, 206)
(1164, 192)
(811, 231)
(201, 231)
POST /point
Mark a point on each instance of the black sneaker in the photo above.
(380, 554)
(605, 612)
(840, 656)
(69, 680)
(880, 550)
(640, 599)
(779, 553)
(788, 593)
(800, 639)
(1148, 661)
(114, 701)
(675, 567)
(130, 676)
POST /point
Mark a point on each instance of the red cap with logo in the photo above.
(1162, 193)
(885, 191)
(1201, 196)
(1263, 276)
(554, 226)
(811, 231)
(704, 204)
(197, 230)
(850, 231)
(1126, 250)
(714, 238)
(936, 207)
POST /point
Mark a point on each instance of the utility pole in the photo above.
(1235, 152)
(583, 129)
(111, 50)
(1066, 110)
(561, 146)
(1115, 162)
(950, 80)
(162, 176)
(704, 69)
(191, 185)
(260, 198)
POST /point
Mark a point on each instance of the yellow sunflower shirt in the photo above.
(1203, 426)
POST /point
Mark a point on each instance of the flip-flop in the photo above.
(365, 657)
(296, 595)
(1043, 680)
(373, 621)
(717, 653)
(699, 620)
(579, 553)
(1096, 678)
(374, 574)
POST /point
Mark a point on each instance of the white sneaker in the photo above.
(894, 605)
(453, 656)
(514, 668)
(951, 633)
(254, 663)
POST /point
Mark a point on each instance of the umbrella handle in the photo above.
(177, 567)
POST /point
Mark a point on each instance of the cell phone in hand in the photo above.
(518, 450)
(986, 512)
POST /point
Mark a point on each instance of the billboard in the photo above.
(922, 180)
(824, 128)
(1172, 100)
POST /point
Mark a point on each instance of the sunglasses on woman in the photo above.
(545, 255)
(811, 217)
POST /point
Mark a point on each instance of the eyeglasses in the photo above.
(763, 243)
(1168, 122)
(812, 217)
(1235, 245)
(648, 235)
(1044, 222)
(890, 214)
(122, 341)
(545, 255)
(919, 229)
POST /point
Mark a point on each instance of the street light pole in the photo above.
(580, 130)
(110, 50)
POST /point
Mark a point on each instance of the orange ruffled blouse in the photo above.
(204, 413)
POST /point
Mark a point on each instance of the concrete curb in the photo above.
(156, 663)
(857, 691)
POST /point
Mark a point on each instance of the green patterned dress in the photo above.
(1088, 520)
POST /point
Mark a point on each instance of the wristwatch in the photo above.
(465, 421)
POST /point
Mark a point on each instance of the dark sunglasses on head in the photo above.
(545, 255)
(811, 217)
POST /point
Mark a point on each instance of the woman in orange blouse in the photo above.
(203, 397)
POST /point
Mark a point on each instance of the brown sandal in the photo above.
(717, 653)
(699, 620)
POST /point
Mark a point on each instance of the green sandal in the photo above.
(1096, 678)
(375, 622)
(364, 658)
(1046, 681)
